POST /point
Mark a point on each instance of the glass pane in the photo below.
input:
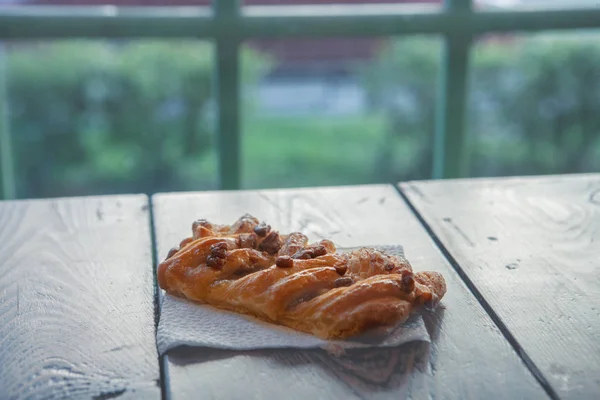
(346, 2)
(304, 5)
(534, 104)
(340, 111)
(124, 3)
(94, 117)
(524, 5)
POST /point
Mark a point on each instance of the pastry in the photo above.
(252, 269)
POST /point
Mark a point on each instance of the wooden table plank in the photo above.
(469, 357)
(77, 299)
(531, 247)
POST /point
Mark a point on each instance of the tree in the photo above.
(531, 105)
(92, 117)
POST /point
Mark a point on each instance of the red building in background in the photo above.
(310, 76)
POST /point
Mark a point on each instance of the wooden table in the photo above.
(521, 318)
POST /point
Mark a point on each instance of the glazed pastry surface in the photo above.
(251, 269)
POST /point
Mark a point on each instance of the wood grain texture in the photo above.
(532, 248)
(77, 299)
(469, 357)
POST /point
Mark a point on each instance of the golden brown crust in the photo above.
(249, 268)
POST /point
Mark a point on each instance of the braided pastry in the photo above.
(251, 269)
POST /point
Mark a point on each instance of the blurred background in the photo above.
(121, 116)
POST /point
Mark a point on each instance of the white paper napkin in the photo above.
(183, 323)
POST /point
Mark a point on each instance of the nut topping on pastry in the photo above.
(249, 268)
(262, 229)
(271, 244)
(284, 262)
(247, 240)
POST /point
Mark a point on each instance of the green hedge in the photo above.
(91, 117)
(532, 110)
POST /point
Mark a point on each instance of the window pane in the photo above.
(524, 5)
(534, 104)
(92, 117)
(124, 3)
(317, 2)
(305, 7)
(340, 111)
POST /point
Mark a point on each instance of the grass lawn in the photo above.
(284, 151)
(310, 151)
(279, 152)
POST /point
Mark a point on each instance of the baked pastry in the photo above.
(251, 269)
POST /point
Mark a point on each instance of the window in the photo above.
(97, 117)
(336, 111)
(533, 104)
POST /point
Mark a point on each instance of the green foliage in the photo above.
(548, 100)
(532, 104)
(90, 117)
(402, 82)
